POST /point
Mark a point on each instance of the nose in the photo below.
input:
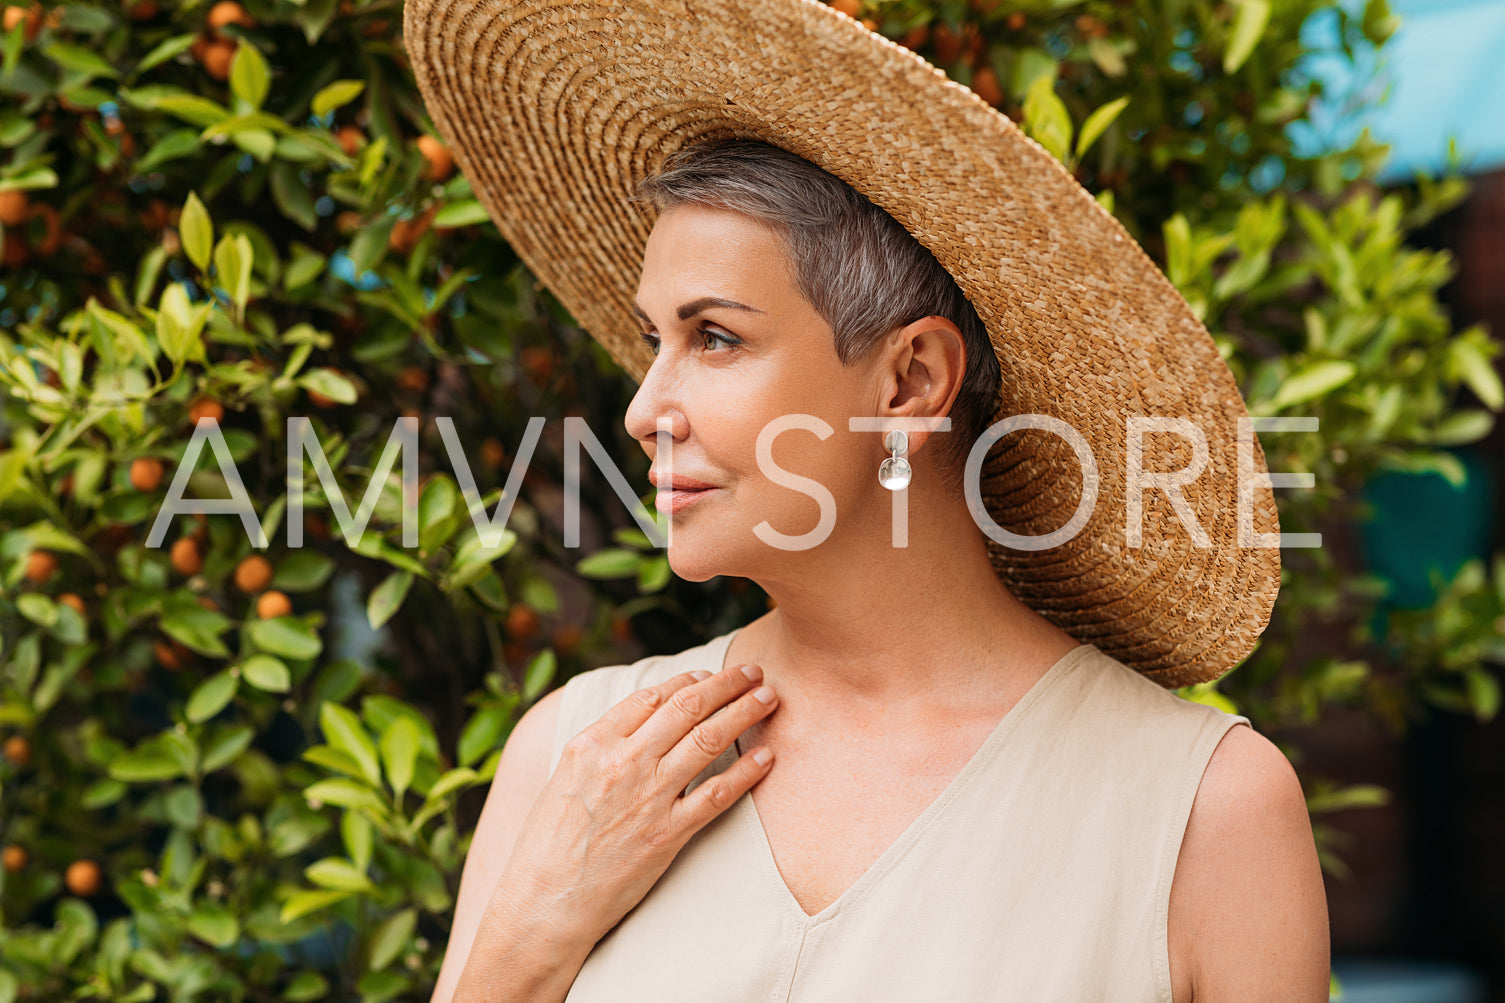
(657, 398)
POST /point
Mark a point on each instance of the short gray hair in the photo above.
(862, 272)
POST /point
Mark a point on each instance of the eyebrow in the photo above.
(690, 309)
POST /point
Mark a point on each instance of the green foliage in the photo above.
(244, 226)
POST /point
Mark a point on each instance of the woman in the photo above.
(960, 799)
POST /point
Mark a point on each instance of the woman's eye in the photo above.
(651, 340)
(725, 339)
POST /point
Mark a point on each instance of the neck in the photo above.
(860, 623)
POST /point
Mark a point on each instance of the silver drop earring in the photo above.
(894, 471)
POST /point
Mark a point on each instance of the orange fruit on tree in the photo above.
(493, 453)
(72, 599)
(146, 473)
(350, 138)
(13, 858)
(271, 604)
(537, 361)
(169, 654)
(851, 8)
(414, 379)
(41, 565)
(567, 637)
(440, 161)
(522, 622)
(142, 10)
(15, 206)
(18, 750)
(253, 574)
(186, 557)
(83, 878)
(217, 57)
(985, 85)
(225, 13)
(206, 407)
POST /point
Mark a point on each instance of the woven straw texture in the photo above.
(556, 108)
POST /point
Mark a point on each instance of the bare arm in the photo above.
(1248, 910)
(520, 775)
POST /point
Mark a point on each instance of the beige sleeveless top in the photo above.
(1042, 873)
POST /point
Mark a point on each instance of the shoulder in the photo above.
(1248, 910)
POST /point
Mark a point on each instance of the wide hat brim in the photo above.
(555, 109)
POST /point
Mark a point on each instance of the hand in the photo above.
(612, 816)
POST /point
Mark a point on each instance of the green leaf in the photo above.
(653, 573)
(292, 196)
(356, 833)
(198, 628)
(1483, 693)
(613, 562)
(344, 793)
(337, 874)
(466, 213)
(79, 60)
(302, 571)
(329, 383)
(1313, 380)
(1046, 119)
(233, 258)
(399, 753)
(285, 636)
(539, 674)
(336, 95)
(214, 925)
(301, 904)
(1097, 123)
(387, 598)
(461, 776)
(37, 608)
(224, 747)
(1248, 25)
(249, 77)
(165, 50)
(266, 673)
(197, 231)
(343, 730)
(331, 758)
(306, 987)
(480, 735)
(211, 696)
(389, 940)
(147, 762)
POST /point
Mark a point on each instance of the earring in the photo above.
(894, 471)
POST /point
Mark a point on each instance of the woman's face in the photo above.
(723, 372)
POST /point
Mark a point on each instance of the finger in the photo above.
(710, 738)
(629, 714)
(689, 706)
(718, 793)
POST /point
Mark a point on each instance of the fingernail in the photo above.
(764, 693)
(762, 756)
(752, 672)
(700, 674)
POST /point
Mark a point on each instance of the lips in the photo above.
(677, 482)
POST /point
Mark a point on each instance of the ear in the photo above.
(927, 360)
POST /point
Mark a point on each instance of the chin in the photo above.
(696, 559)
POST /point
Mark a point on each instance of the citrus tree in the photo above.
(218, 217)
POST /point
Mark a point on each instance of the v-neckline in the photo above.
(748, 811)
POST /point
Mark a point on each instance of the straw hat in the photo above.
(556, 108)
